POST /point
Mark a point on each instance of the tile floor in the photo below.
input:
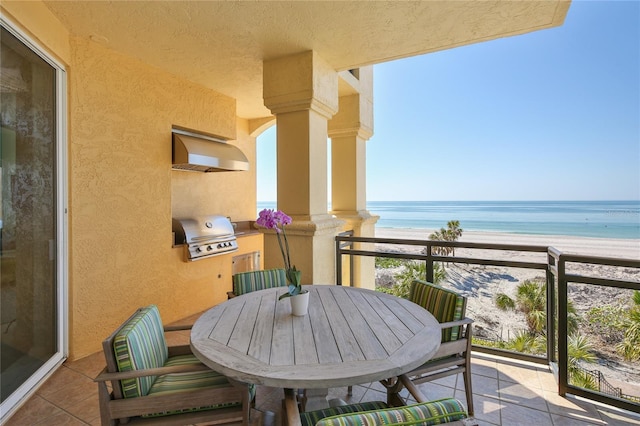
(506, 392)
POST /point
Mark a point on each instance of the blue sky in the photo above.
(549, 115)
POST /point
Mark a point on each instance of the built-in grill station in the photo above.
(205, 236)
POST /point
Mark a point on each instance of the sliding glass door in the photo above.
(31, 218)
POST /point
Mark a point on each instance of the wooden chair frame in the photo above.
(115, 409)
(452, 357)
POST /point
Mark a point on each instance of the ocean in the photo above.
(600, 219)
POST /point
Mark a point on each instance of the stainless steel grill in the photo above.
(205, 236)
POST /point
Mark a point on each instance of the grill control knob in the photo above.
(209, 248)
(198, 250)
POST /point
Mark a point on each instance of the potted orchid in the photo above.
(277, 220)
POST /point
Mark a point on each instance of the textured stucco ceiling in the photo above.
(222, 45)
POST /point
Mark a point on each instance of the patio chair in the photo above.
(245, 282)
(444, 411)
(454, 354)
(155, 384)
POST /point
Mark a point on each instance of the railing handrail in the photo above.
(438, 243)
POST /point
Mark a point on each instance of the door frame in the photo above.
(28, 388)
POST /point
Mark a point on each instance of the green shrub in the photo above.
(415, 270)
(388, 262)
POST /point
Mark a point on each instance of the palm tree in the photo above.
(531, 299)
(415, 270)
(579, 349)
(527, 342)
(452, 233)
(440, 235)
(630, 346)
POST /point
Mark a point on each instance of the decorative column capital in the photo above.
(300, 82)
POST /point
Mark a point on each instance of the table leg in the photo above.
(394, 386)
(290, 412)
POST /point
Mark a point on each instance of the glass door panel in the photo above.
(28, 285)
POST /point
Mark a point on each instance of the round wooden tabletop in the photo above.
(350, 336)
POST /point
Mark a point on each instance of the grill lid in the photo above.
(205, 236)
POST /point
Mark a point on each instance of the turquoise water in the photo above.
(602, 219)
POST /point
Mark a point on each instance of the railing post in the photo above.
(338, 262)
(429, 263)
(563, 362)
(551, 309)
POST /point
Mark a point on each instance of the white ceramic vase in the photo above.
(300, 304)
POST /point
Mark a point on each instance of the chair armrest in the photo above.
(457, 323)
(121, 375)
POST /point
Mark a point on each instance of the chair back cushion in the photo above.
(445, 305)
(246, 282)
(426, 413)
(140, 344)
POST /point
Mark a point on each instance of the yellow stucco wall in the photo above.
(123, 192)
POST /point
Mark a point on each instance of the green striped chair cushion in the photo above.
(246, 282)
(312, 417)
(140, 344)
(175, 383)
(443, 304)
(426, 413)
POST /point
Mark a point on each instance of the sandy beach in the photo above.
(481, 283)
(619, 248)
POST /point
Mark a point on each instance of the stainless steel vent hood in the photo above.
(205, 153)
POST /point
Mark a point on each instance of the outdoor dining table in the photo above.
(349, 336)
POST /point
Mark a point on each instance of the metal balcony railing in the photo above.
(558, 270)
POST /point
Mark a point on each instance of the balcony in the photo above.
(510, 388)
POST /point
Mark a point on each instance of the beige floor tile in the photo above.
(484, 366)
(516, 393)
(63, 377)
(618, 417)
(61, 419)
(449, 381)
(559, 420)
(90, 365)
(548, 381)
(34, 410)
(487, 409)
(485, 386)
(69, 396)
(86, 410)
(570, 406)
(433, 391)
(519, 415)
(527, 375)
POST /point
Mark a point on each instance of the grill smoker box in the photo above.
(205, 236)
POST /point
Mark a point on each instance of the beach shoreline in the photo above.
(588, 246)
